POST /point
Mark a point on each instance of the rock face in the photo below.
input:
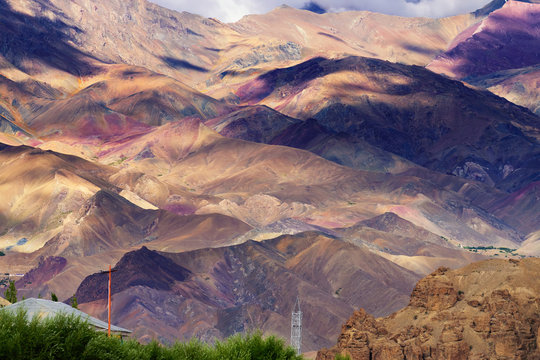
(487, 310)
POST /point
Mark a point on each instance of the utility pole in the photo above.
(109, 297)
(109, 328)
(296, 327)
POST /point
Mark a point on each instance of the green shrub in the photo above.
(253, 347)
(11, 292)
(74, 302)
(191, 350)
(61, 337)
(69, 337)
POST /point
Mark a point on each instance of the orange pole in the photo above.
(109, 329)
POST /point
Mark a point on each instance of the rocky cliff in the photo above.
(487, 310)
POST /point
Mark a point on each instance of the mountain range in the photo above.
(225, 169)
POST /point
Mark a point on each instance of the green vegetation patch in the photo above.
(69, 337)
(487, 248)
(118, 162)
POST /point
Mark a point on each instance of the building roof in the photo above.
(45, 308)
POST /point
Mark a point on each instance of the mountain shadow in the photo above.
(182, 64)
(25, 38)
(412, 112)
(314, 7)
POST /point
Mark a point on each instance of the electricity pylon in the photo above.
(296, 327)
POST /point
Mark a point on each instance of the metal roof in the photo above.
(46, 308)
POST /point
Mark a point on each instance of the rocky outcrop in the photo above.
(487, 310)
(433, 294)
(258, 210)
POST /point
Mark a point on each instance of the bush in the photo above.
(61, 337)
(11, 292)
(69, 337)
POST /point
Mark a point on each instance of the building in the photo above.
(46, 308)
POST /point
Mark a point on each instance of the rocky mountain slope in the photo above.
(190, 47)
(406, 244)
(499, 53)
(249, 166)
(487, 310)
(505, 40)
(217, 292)
(61, 205)
(460, 131)
(119, 208)
(520, 86)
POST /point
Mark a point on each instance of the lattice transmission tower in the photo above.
(296, 327)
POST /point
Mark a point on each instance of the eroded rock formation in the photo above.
(487, 310)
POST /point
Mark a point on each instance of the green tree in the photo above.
(54, 297)
(70, 337)
(11, 292)
(74, 303)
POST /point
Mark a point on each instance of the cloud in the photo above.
(233, 10)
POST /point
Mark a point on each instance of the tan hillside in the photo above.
(4, 302)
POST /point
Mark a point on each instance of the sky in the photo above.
(233, 10)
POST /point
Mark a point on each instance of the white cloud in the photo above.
(224, 10)
(233, 10)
